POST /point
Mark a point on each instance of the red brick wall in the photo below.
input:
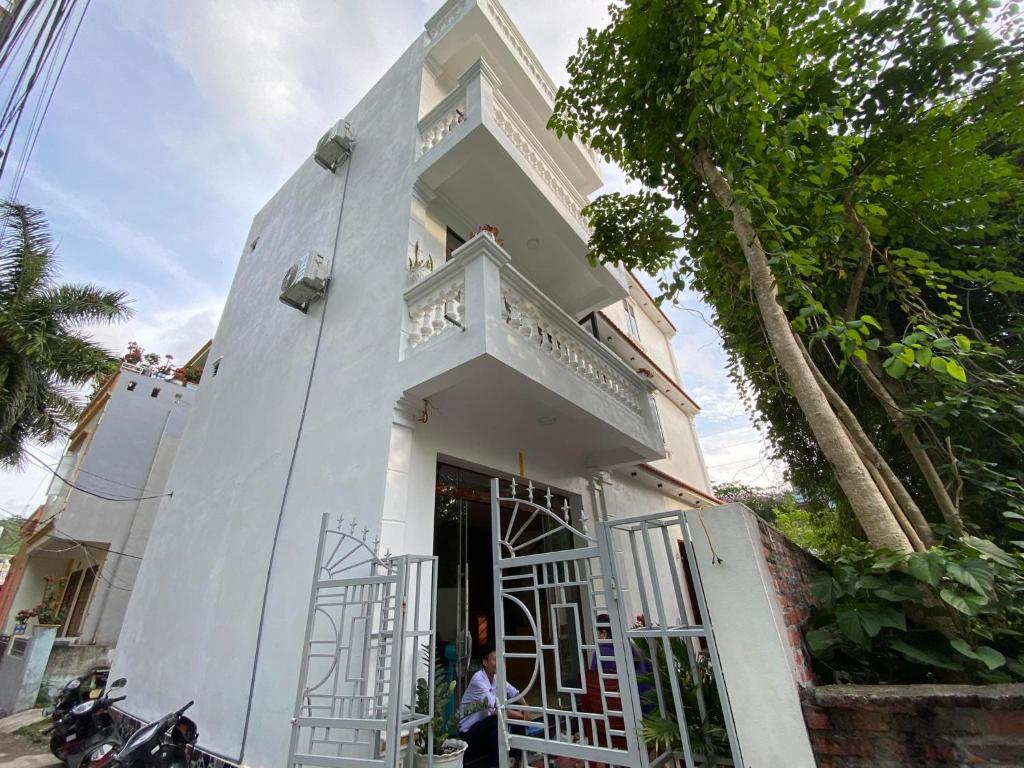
(792, 569)
(926, 726)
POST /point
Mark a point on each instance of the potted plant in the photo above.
(448, 748)
(419, 267)
(490, 230)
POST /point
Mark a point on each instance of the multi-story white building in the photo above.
(388, 403)
(89, 537)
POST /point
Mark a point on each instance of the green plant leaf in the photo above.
(927, 567)
(820, 639)
(850, 624)
(993, 552)
(925, 656)
(958, 601)
(974, 573)
(989, 656)
(956, 371)
(825, 589)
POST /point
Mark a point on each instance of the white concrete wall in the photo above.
(120, 568)
(217, 533)
(751, 638)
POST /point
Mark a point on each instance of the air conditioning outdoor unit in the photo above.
(335, 146)
(305, 281)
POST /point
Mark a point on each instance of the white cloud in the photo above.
(123, 240)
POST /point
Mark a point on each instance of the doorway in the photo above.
(463, 537)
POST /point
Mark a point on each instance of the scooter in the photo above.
(76, 733)
(164, 743)
(76, 690)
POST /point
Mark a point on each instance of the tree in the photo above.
(44, 353)
(779, 129)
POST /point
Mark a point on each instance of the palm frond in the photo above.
(79, 304)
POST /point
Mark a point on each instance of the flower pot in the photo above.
(417, 275)
(451, 759)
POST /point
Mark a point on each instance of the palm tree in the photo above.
(45, 357)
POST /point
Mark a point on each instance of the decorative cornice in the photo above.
(479, 67)
(408, 411)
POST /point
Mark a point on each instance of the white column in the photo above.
(404, 420)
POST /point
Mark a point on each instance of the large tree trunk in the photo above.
(905, 427)
(866, 500)
(873, 457)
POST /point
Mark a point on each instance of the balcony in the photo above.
(463, 31)
(482, 334)
(481, 158)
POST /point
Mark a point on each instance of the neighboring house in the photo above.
(389, 404)
(10, 542)
(88, 538)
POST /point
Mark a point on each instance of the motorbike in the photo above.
(164, 743)
(76, 733)
(75, 691)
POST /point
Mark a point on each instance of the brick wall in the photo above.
(792, 569)
(926, 726)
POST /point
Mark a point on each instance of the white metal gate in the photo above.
(549, 581)
(649, 689)
(371, 626)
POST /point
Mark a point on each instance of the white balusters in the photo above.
(436, 130)
(436, 312)
(562, 340)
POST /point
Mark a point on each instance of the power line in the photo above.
(38, 462)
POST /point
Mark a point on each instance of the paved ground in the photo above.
(19, 751)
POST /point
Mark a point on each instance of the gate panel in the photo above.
(682, 688)
(364, 634)
(550, 584)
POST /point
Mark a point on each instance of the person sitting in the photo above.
(479, 724)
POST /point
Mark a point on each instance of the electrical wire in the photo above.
(49, 98)
(41, 464)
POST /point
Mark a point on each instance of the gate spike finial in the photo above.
(565, 512)
(529, 489)
(341, 519)
(547, 498)
(366, 530)
(376, 545)
(352, 528)
(513, 486)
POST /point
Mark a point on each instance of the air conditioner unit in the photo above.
(305, 281)
(335, 146)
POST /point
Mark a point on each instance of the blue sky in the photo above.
(174, 122)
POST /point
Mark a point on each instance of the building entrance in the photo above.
(463, 536)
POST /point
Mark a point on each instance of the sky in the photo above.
(175, 121)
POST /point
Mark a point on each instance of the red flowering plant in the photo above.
(189, 374)
(491, 230)
(134, 353)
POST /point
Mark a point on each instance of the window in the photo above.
(131, 386)
(216, 365)
(634, 329)
(452, 241)
(155, 392)
(80, 599)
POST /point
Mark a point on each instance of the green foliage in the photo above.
(821, 529)
(660, 727)
(879, 619)
(879, 151)
(44, 354)
(443, 725)
(824, 531)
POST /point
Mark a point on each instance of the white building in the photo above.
(387, 403)
(92, 530)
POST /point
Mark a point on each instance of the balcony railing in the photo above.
(477, 100)
(479, 292)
